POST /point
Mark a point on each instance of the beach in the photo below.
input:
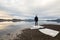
(23, 31)
(34, 34)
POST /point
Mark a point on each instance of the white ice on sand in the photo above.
(37, 27)
(49, 32)
(46, 31)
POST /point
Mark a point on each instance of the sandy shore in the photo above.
(34, 34)
(52, 26)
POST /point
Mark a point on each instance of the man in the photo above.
(36, 20)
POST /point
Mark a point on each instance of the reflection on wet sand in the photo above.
(4, 25)
(11, 29)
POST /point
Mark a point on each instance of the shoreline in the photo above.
(25, 34)
(29, 34)
(52, 26)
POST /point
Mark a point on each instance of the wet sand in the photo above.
(34, 34)
(52, 26)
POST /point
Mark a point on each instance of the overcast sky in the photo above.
(25, 9)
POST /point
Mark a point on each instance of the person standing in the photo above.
(36, 20)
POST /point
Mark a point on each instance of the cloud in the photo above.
(43, 3)
(29, 8)
(5, 15)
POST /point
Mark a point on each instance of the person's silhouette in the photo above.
(36, 20)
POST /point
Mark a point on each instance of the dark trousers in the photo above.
(36, 23)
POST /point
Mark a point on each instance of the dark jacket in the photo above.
(36, 19)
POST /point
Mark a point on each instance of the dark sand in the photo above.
(34, 34)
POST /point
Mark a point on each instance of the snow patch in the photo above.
(49, 32)
(37, 27)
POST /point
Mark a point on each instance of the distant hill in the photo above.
(57, 20)
(29, 20)
(16, 20)
(13, 20)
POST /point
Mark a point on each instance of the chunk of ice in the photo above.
(36, 27)
(49, 32)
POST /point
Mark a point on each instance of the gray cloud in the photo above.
(49, 11)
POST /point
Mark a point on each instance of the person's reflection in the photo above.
(36, 20)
